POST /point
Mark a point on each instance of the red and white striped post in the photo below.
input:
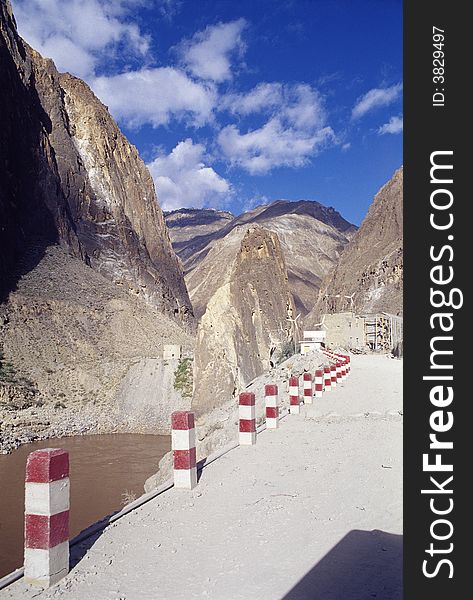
(247, 414)
(272, 406)
(327, 379)
(338, 371)
(294, 406)
(307, 388)
(47, 517)
(343, 370)
(183, 449)
(333, 374)
(319, 383)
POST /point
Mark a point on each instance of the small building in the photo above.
(380, 332)
(345, 329)
(172, 351)
(312, 341)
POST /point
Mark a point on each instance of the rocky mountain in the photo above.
(244, 328)
(371, 266)
(90, 287)
(69, 176)
(311, 236)
(189, 224)
(79, 354)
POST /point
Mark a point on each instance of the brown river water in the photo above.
(105, 471)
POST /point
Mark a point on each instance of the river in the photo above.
(106, 472)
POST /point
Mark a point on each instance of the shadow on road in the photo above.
(363, 565)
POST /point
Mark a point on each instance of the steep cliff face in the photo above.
(90, 288)
(371, 265)
(72, 178)
(311, 235)
(244, 328)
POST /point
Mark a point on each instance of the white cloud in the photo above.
(375, 98)
(264, 97)
(273, 145)
(80, 34)
(299, 104)
(155, 96)
(346, 147)
(295, 130)
(394, 125)
(207, 54)
(182, 178)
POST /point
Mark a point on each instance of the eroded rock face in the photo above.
(82, 355)
(245, 324)
(371, 265)
(69, 176)
(312, 237)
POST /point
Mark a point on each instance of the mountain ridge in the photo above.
(321, 230)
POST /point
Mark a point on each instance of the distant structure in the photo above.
(313, 340)
(384, 332)
(172, 351)
(379, 332)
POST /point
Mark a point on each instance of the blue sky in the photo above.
(235, 104)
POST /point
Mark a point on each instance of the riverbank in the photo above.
(313, 510)
(108, 471)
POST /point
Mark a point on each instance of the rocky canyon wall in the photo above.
(245, 326)
(69, 176)
(370, 268)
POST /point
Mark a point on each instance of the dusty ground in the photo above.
(99, 367)
(313, 511)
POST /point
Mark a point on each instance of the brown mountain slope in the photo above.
(90, 287)
(371, 265)
(311, 236)
(245, 324)
(69, 176)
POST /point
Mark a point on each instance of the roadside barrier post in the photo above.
(307, 388)
(319, 383)
(47, 517)
(272, 406)
(247, 415)
(339, 371)
(327, 379)
(294, 406)
(183, 449)
(333, 374)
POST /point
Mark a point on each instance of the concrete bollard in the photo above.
(47, 517)
(294, 406)
(272, 406)
(247, 414)
(333, 375)
(338, 371)
(319, 383)
(183, 449)
(343, 369)
(307, 388)
(327, 379)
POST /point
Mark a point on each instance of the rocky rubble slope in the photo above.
(83, 356)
